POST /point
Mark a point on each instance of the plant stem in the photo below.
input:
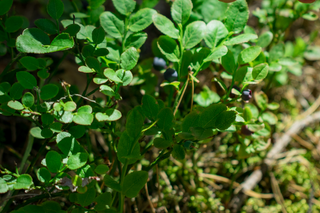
(27, 152)
(181, 50)
(56, 68)
(6, 70)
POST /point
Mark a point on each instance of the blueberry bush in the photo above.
(172, 105)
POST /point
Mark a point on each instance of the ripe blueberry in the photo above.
(246, 131)
(159, 63)
(246, 95)
(170, 75)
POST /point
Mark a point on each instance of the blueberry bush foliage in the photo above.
(145, 110)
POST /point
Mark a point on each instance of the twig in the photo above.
(149, 200)
(277, 192)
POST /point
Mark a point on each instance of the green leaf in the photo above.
(70, 106)
(103, 201)
(241, 73)
(49, 91)
(225, 119)
(237, 16)
(136, 40)
(134, 182)
(55, 9)
(161, 143)
(105, 89)
(5, 6)
(228, 62)
(193, 34)
(34, 40)
(15, 105)
(47, 119)
(169, 48)
(249, 54)
(261, 99)
(77, 131)
(165, 119)
(191, 120)
(164, 25)
(26, 80)
(178, 152)
(93, 63)
(111, 24)
(43, 74)
(125, 7)
(216, 53)
(36, 132)
(134, 123)
(67, 144)
(201, 133)
(141, 20)
(215, 32)
(129, 58)
(150, 107)
(111, 75)
(83, 118)
(270, 118)
(47, 26)
(181, 10)
(31, 63)
(13, 24)
(211, 10)
(72, 29)
(98, 35)
(276, 52)
(56, 127)
(209, 117)
(16, 91)
(53, 161)
(109, 115)
(260, 71)
(77, 161)
(101, 169)
(241, 39)
(86, 198)
(125, 76)
(206, 97)
(128, 147)
(3, 186)
(24, 181)
(43, 175)
(110, 182)
(265, 39)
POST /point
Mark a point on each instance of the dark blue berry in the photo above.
(170, 75)
(246, 95)
(246, 131)
(159, 63)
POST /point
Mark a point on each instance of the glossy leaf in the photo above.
(129, 58)
(215, 32)
(77, 161)
(141, 20)
(169, 48)
(164, 25)
(29, 62)
(181, 10)
(237, 16)
(249, 54)
(124, 7)
(109, 115)
(193, 34)
(111, 24)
